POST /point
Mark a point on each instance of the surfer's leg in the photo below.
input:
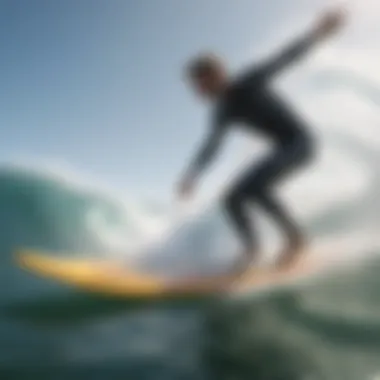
(236, 210)
(237, 213)
(281, 215)
(259, 187)
(296, 239)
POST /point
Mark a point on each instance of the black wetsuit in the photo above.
(249, 100)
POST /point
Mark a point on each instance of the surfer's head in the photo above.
(207, 74)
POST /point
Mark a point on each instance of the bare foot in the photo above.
(291, 253)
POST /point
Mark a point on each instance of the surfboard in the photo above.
(111, 278)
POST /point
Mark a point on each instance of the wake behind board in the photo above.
(110, 278)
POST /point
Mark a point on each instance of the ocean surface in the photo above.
(327, 329)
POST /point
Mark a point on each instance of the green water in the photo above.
(328, 330)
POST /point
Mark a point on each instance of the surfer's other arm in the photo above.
(203, 158)
(329, 23)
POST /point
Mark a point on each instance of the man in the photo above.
(250, 101)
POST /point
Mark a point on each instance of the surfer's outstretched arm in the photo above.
(203, 158)
(206, 152)
(326, 26)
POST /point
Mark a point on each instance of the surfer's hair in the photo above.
(204, 64)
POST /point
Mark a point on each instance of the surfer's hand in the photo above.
(329, 23)
(186, 188)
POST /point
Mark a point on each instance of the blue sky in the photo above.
(98, 84)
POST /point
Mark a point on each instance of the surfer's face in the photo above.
(207, 76)
(206, 86)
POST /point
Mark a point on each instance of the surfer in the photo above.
(248, 99)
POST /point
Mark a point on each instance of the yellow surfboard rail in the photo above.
(111, 278)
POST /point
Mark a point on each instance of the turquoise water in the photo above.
(328, 330)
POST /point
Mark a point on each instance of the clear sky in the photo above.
(98, 83)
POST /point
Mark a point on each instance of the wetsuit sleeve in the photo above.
(208, 149)
(290, 55)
